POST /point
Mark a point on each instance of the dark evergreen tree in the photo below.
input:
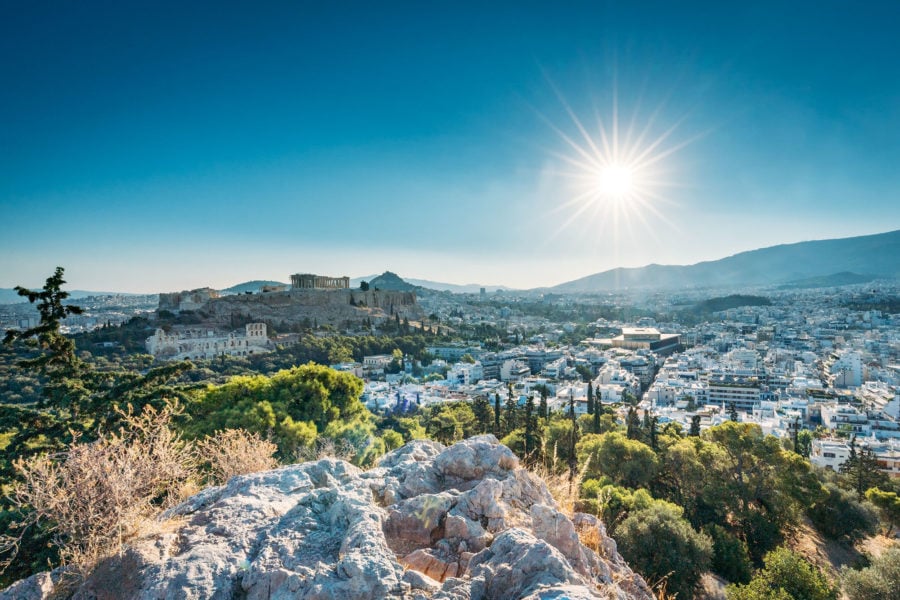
(497, 415)
(590, 398)
(732, 412)
(652, 433)
(511, 420)
(632, 425)
(530, 429)
(861, 471)
(598, 412)
(482, 409)
(695, 426)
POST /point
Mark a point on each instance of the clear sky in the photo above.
(153, 146)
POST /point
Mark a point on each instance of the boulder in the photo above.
(464, 522)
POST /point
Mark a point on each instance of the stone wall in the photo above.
(333, 307)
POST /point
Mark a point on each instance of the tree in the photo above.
(590, 398)
(57, 351)
(511, 405)
(888, 504)
(756, 482)
(632, 424)
(531, 426)
(730, 559)
(786, 576)
(879, 581)
(661, 545)
(861, 471)
(497, 414)
(292, 406)
(695, 426)
(482, 410)
(364, 286)
(626, 462)
(732, 412)
(596, 416)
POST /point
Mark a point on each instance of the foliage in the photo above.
(888, 505)
(879, 581)
(451, 422)
(786, 576)
(730, 558)
(660, 544)
(839, 515)
(291, 407)
(861, 471)
(626, 462)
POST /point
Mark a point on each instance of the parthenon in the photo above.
(308, 281)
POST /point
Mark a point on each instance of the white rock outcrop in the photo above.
(457, 523)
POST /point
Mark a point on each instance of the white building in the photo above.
(200, 344)
(846, 370)
(829, 453)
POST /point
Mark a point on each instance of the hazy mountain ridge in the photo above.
(877, 255)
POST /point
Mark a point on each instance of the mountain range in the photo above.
(817, 263)
(803, 265)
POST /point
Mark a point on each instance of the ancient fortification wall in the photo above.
(334, 307)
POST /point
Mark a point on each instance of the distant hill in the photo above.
(456, 288)
(877, 255)
(10, 296)
(392, 282)
(833, 280)
(254, 286)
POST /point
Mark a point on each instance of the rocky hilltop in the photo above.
(454, 523)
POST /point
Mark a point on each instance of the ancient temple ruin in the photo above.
(308, 281)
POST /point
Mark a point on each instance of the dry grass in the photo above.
(98, 495)
(326, 447)
(235, 452)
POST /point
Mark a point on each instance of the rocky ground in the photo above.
(463, 522)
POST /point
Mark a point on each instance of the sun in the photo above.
(614, 173)
(615, 181)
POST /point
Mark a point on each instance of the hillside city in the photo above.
(823, 359)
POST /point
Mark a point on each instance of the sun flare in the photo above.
(614, 172)
(614, 181)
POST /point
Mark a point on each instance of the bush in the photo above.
(661, 545)
(235, 452)
(786, 576)
(880, 581)
(98, 495)
(839, 515)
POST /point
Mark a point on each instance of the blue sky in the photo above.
(158, 146)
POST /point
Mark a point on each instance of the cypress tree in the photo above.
(590, 398)
(497, 414)
(695, 426)
(510, 410)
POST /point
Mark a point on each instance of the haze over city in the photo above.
(163, 147)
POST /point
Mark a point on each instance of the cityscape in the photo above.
(450, 301)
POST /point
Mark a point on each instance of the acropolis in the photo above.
(308, 281)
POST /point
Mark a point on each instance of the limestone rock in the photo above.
(458, 523)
